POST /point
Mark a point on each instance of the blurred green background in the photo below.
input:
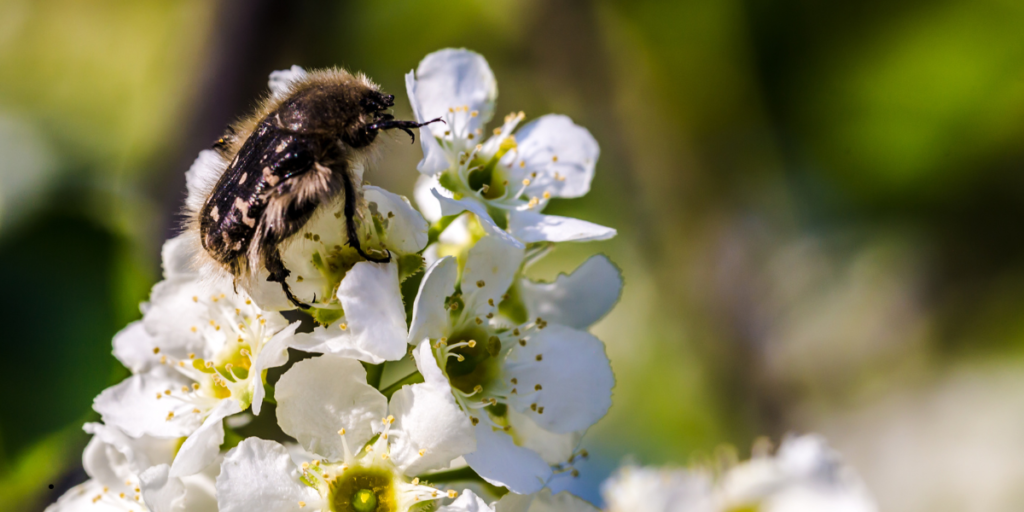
(819, 208)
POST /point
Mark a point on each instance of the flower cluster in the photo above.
(487, 381)
(430, 381)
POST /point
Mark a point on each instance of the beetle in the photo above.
(296, 152)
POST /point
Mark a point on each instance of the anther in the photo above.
(343, 326)
(196, 411)
(452, 493)
(515, 332)
(540, 357)
(540, 410)
(474, 420)
(416, 481)
(479, 321)
(490, 315)
(480, 283)
(341, 432)
(422, 451)
(490, 302)
(522, 342)
(515, 380)
(471, 343)
(170, 415)
(533, 406)
(195, 299)
(538, 387)
(554, 158)
(156, 350)
(526, 182)
(302, 504)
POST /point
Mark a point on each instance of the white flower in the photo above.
(132, 474)
(200, 353)
(326, 405)
(531, 390)
(659, 490)
(805, 475)
(544, 501)
(508, 176)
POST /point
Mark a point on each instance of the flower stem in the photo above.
(413, 378)
(373, 374)
(451, 475)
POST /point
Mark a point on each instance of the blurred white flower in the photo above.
(133, 474)
(530, 390)
(659, 490)
(507, 179)
(327, 406)
(199, 354)
(543, 501)
(804, 476)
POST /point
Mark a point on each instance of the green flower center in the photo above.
(364, 490)
(478, 365)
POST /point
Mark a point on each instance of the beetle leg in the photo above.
(278, 274)
(405, 126)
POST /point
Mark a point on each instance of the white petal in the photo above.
(318, 397)
(425, 200)
(111, 457)
(133, 346)
(467, 502)
(375, 329)
(176, 258)
(259, 475)
(372, 298)
(454, 79)
(202, 177)
(427, 419)
(435, 158)
(573, 372)
(272, 355)
(202, 447)
(161, 491)
(133, 407)
(553, 448)
(427, 366)
(491, 265)
(281, 81)
(80, 499)
(561, 153)
(450, 206)
(530, 227)
(429, 315)
(105, 464)
(499, 461)
(576, 300)
(407, 229)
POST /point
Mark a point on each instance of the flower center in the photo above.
(363, 489)
(472, 359)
